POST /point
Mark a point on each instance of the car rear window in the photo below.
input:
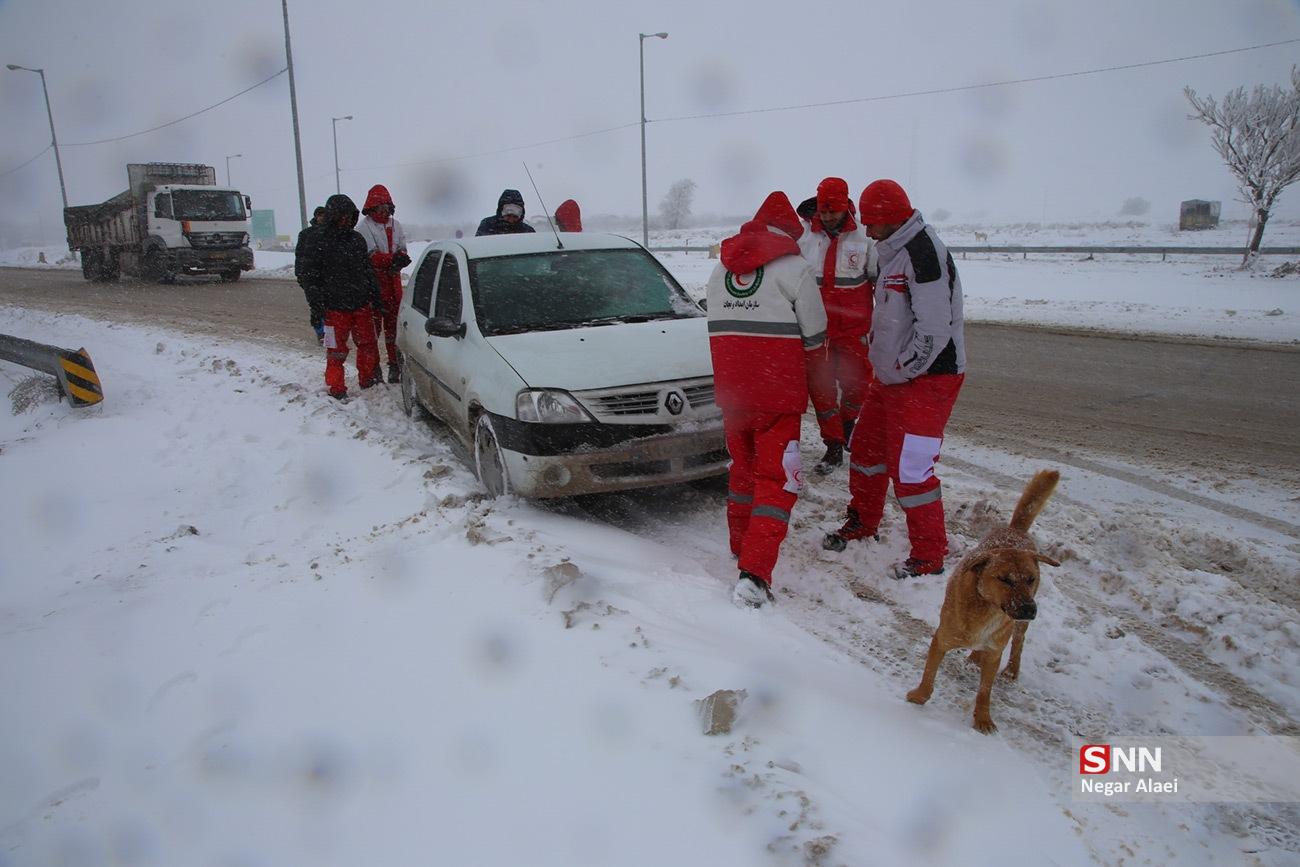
(573, 289)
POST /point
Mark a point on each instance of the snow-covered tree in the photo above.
(676, 206)
(1258, 137)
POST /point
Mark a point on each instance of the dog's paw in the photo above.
(918, 696)
(1010, 673)
(984, 725)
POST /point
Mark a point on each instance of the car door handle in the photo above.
(428, 345)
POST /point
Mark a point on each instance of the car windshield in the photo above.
(573, 289)
(207, 205)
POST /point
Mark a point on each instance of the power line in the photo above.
(521, 147)
(965, 87)
(850, 101)
(26, 164)
(179, 119)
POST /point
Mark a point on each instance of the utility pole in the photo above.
(54, 138)
(293, 105)
(645, 207)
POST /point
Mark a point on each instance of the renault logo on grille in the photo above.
(675, 403)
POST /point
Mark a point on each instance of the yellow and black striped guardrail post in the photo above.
(78, 381)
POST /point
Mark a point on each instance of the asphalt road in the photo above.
(1166, 404)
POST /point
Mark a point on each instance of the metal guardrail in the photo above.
(76, 375)
(1024, 250)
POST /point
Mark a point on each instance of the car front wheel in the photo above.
(489, 463)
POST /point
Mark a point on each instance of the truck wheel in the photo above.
(230, 276)
(155, 268)
(89, 264)
(489, 463)
(110, 268)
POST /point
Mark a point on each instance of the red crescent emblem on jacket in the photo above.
(739, 282)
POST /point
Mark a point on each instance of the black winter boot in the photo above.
(833, 458)
(394, 373)
(851, 529)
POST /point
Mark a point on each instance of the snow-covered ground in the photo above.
(241, 624)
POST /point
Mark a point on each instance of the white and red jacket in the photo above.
(385, 238)
(845, 268)
(765, 314)
(917, 326)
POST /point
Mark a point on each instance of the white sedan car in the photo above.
(568, 365)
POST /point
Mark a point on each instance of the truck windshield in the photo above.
(573, 289)
(208, 205)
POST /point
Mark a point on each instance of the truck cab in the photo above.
(198, 229)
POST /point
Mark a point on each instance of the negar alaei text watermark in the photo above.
(1193, 770)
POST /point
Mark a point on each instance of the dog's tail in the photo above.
(1040, 487)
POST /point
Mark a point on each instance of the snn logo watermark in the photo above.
(1203, 769)
(1098, 761)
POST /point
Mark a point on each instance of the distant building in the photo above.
(1197, 214)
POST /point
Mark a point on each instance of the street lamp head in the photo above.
(12, 66)
(660, 35)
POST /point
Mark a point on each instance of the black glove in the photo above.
(400, 261)
(807, 208)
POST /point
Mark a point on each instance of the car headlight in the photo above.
(546, 406)
(244, 241)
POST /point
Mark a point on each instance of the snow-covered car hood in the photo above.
(607, 356)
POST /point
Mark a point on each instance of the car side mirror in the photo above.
(444, 328)
(704, 304)
(248, 203)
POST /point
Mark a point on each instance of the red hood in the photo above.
(378, 195)
(772, 233)
(568, 217)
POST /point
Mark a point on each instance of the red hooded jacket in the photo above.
(568, 217)
(765, 313)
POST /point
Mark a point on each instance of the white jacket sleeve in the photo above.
(932, 328)
(809, 310)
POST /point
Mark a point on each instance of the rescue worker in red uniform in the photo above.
(343, 292)
(765, 319)
(386, 244)
(843, 259)
(918, 359)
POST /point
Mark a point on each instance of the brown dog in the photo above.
(991, 596)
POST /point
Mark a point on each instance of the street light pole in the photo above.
(645, 207)
(228, 159)
(334, 122)
(293, 106)
(54, 138)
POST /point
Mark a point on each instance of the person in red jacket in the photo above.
(386, 243)
(842, 256)
(568, 217)
(765, 319)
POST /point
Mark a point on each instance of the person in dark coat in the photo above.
(302, 265)
(509, 218)
(568, 217)
(344, 292)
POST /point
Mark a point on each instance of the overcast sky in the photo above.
(427, 82)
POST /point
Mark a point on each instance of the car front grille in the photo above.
(652, 403)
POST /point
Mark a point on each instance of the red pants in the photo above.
(763, 485)
(339, 324)
(390, 292)
(898, 438)
(838, 382)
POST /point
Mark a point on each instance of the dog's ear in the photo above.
(1043, 558)
(981, 560)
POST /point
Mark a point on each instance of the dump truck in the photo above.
(172, 219)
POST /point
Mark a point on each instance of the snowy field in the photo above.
(241, 624)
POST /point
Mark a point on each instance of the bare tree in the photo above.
(1258, 137)
(676, 206)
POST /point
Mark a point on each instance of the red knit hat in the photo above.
(833, 195)
(883, 202)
